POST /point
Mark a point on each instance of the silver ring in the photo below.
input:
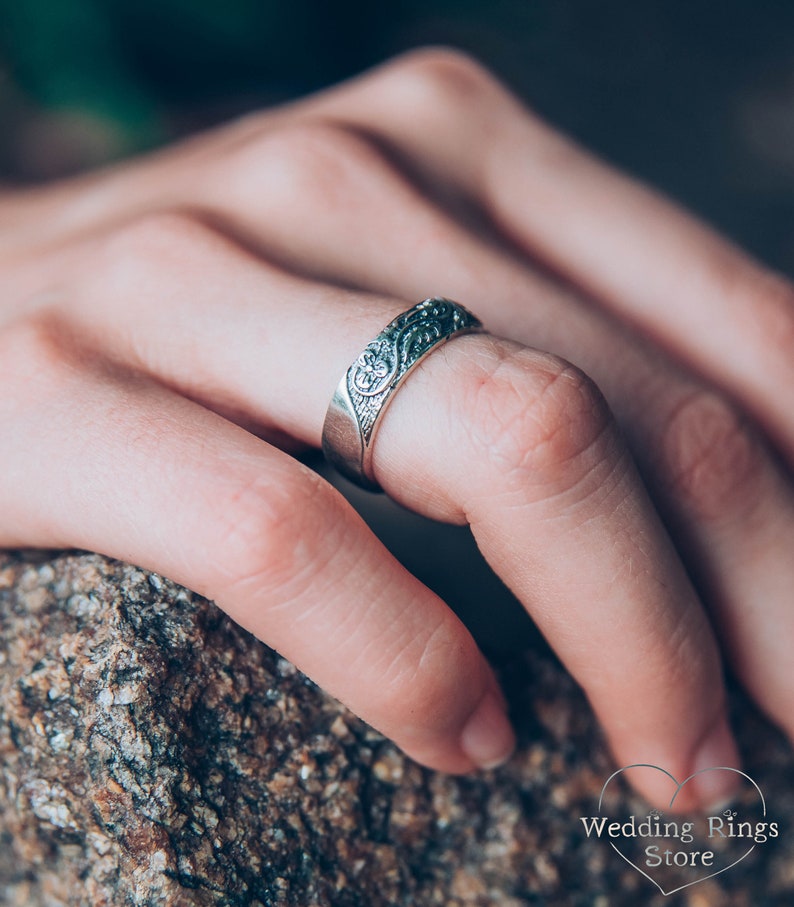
(369, 384)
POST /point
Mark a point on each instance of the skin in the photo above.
(173, 328)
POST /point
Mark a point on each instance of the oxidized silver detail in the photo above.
(367, 386)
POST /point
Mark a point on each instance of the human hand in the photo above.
(171, 328)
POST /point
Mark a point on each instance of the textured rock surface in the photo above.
(154, 753)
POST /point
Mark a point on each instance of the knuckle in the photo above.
(443, 77)
(773, 317)
(269, 533)
(313, 160)
(140, 250)
(535, 416)
(711, 458)
(33, 352)
(420, 686)
(763, 303)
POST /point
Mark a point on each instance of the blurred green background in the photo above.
(696, 96)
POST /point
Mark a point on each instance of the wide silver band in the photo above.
(369, 384)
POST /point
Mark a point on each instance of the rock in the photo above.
(153, 753)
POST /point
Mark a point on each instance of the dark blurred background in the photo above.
(696, 96)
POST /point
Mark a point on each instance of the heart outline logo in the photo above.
(679, 786)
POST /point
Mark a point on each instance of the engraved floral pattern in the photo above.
(372, 367)
(374, 375)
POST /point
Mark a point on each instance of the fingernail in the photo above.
(715, 788)
(488, 739)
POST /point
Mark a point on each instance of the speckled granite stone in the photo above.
(155, 754)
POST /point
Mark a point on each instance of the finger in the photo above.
(119, 465)
(630, 629)
(636, 252)
(733, 509)
(529, 454)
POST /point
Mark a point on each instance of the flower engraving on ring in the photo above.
(374, 369)
(368, 385)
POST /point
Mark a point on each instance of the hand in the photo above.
(171, 328)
